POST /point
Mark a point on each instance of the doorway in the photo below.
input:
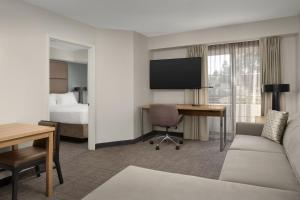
(71, 89)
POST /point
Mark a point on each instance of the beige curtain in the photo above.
(196, 128)
(270, 69)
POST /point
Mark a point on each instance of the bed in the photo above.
(72, 116)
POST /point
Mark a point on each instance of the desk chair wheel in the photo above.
(177, 147)
(180, 141)
(151, 142)
(157, 147)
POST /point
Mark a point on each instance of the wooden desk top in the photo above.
(202, 107)
(17, 130)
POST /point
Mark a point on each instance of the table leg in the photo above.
(142, 124)
(221, 134)
(49, 166)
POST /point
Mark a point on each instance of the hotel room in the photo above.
(155, 100)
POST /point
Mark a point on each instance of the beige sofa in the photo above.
(255, 168)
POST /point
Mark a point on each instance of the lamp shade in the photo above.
(276, 88)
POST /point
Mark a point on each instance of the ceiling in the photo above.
(158, 17)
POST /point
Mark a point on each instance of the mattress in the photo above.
(69, 114)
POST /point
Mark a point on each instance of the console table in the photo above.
(210, 110)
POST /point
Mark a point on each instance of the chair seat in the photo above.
(22, 156)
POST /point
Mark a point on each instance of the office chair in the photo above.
(167, 116)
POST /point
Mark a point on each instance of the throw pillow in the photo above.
(275, 125)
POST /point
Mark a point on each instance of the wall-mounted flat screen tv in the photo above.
(180, 73)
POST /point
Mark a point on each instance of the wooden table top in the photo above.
(18, 130)
(202, 107)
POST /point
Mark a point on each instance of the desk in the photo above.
(199, 110)
(14, 134)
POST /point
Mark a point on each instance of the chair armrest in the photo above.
(244, 128)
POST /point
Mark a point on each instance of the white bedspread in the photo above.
(70, 114)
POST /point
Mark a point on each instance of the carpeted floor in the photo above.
(85, 170)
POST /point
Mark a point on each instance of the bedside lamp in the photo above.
(276, 89)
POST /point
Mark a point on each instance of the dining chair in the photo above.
(24, 158)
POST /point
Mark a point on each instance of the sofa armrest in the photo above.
(245, 128)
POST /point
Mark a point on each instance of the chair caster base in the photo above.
(177, 148)
(151, 142)
(157, 148)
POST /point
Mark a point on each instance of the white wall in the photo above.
(122, 84)
(24, 73)
(142, 92)
(79, 56)
(289, 70)
(24, 76)
(114, 85)
(240, 32)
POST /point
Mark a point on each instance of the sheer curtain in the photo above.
(234, 73)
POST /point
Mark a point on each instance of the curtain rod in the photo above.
(219, 43)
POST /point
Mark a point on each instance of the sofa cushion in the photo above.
(255, 143)
(135, 183)
(259, 168)
(248, 128)
(291, 143)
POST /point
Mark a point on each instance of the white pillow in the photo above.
(66, 99)
(52, 100)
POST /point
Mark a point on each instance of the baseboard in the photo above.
(73, 139)
(146, 137)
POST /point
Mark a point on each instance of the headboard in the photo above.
(58, 76)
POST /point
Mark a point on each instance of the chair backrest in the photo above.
(56, 137)
(164, 115)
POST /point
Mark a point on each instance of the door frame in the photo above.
(91, 84)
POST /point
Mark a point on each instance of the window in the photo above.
(234, 73)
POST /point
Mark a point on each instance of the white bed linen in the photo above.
(70, 114)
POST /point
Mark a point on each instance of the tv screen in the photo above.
(180, 73)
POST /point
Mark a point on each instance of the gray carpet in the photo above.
(85, 170)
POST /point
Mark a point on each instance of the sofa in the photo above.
(255, 168)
